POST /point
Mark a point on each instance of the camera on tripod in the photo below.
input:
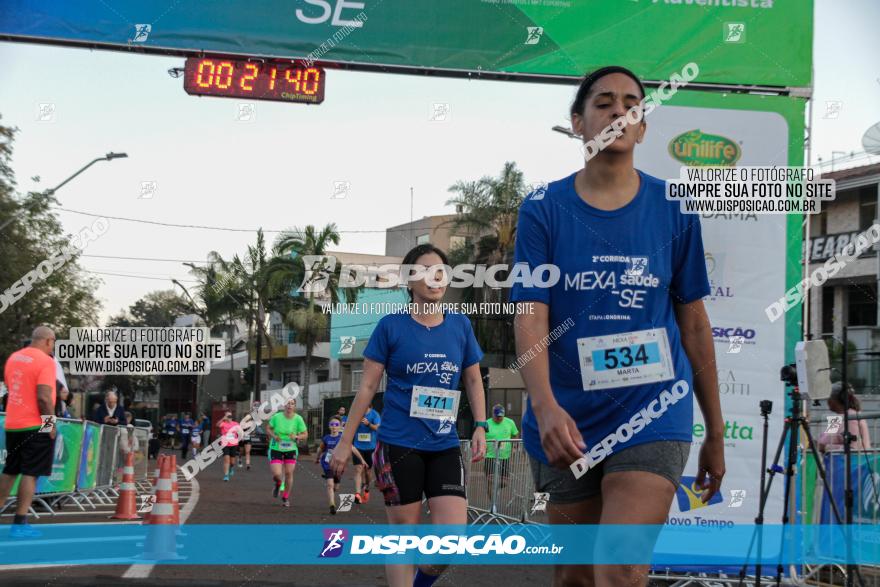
(789, 375)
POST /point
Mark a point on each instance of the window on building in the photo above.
(423, 239)
(289, 376)
(862, 303)
(276, 331)
(456, 242)
(356, 380)
(322, 375)
(867, 206)
(823, 221)
(828, 309)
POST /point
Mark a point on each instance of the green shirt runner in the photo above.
(283, 428)
(503, 430)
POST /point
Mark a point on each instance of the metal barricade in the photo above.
(500, 489)
(107, 461)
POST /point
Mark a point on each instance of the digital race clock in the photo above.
(257, 80)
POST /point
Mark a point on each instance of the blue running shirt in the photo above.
(416, 355)
(620, 271)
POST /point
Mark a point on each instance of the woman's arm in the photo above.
(696, 338)
(560, 437)
(370, 379)
(473, 384)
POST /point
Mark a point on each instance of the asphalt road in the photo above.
(247, 499)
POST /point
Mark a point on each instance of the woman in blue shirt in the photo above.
(609, 419)
(425, 353)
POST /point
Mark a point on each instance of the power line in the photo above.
(147, 259)
(141, 276)
(206, 227)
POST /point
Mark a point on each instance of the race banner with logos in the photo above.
(765, 42)
(65, 461)
(751, 259)
(88, 465)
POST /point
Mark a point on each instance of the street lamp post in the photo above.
(108, 157)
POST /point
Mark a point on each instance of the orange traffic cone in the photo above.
(126, 505)
(161, 540)
(175, 496)
(163, 506)
(154, 482)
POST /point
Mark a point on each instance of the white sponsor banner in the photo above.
(746, 262)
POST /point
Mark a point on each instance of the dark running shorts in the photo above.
(666, 458)
(230, 451)
(282, 456)
(368, 457)
(503, 466)
(328, 474)
(405, 474)
(28, 452)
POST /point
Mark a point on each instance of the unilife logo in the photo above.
(698, 149)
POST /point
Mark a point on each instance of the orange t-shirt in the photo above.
(25, 369)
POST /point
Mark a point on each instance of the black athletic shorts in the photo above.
(28, 452)
(503, 466)
(328, 474)
(244, 441)
(230, 451)
(405, 474)
(368, 457)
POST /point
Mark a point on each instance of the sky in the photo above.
(373, 133)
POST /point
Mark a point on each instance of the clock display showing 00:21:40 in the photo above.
(257, 80)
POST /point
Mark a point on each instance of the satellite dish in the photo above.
(871, 140)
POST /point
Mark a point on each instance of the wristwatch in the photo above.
(482, 424)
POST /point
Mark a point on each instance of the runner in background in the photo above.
(246, 449)
(195, 442)
(230, 431)
(285, 429)
(425, 354)
(170, 430)
(500, 428)
(634, 335)
(29, 375)
(325, 453)
(365, 442)
(187, 425)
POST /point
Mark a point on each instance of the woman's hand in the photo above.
(711, 463)
(560, 437)
(478, 445)
(340, 458)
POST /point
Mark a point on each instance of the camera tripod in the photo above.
(794, 423)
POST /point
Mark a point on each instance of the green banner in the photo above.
(88, 464)
(766, 42)
(65, 461)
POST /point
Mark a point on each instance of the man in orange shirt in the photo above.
(30, 429)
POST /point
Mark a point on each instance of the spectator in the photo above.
(110, 412)
(340, 413)
(153, 447)
(500, 428)
(30, 429)
(832, 439)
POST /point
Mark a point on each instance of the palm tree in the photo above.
(288, 268)
(490, 209)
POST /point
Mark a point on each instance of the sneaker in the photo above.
(226, 477)
(24, 531)
(332, 510)
(357, 498)
(366, 496)
(231, 471)
(276, 490)
(239, 465)
(248, 467)
(285, 502)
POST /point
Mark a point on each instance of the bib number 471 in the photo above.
(623, 357)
